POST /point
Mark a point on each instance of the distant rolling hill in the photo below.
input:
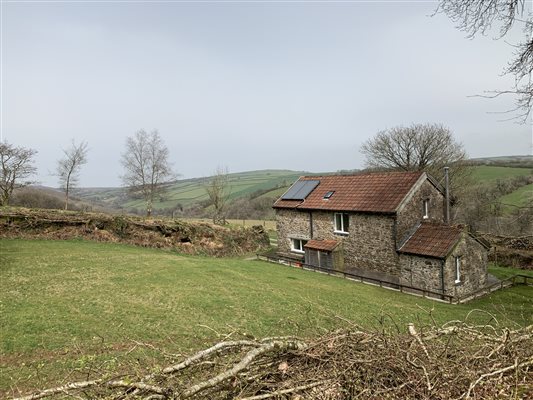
(524, 161)
(271, 184)
(264, 183)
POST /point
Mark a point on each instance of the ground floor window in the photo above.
(297, 245)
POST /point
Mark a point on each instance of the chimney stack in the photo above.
(447, 194)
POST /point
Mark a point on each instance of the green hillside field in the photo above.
(67, 306)
(265, 184)
(189, 191)
(488, 174)
(519, 198)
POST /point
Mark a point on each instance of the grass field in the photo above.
(487, 174)
(269, 225)
(188, 191)
(273, 183)
(519, 198)
(67, 303)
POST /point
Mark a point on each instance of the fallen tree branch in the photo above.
(421, 363)
(205, 353)
(98, 382)
(497, 372)
(284, 391)
(248, 358)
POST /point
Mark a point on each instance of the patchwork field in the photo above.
(188, 191)
(519, 198)
(263, 184)
(69, 305)
(487, 174)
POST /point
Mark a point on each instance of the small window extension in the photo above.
(328, 194)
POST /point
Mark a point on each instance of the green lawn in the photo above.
(63, 302)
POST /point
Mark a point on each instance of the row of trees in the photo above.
(146, 163)
(17, 166)
(148, 171)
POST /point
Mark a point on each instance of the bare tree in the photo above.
(419, 147)
(217, 189)
(146, 166)
(68, 168)
(16, 167)
(478, 16)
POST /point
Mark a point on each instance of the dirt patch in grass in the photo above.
(185, 237)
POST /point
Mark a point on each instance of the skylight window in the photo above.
(328, 194)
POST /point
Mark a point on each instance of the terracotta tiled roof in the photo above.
(322, 245)
(432, 239)
(376, 192)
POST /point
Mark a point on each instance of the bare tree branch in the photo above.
(478, 16)
(218, 191)
(146, 166)
(16, 165)
(419, 147)
(246, 360)
(68, 168)
(455, 361)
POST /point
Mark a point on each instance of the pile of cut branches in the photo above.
(454, 361)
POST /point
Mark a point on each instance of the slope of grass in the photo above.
(519, 198)
(67, 301)
(55, 293)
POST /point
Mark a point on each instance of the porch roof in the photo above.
(322, 245)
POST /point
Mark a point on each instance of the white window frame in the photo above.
(298, 249)
(342, 229)
(457, 269)
(425, 207)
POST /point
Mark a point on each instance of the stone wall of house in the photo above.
(421, 272)
(473, 267)
(425, 272)
(291, 224)
(369, 245)
(412, 212)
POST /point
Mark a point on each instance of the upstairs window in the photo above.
(425, 208)
(342, 223)
(457, 269)
(297, 245)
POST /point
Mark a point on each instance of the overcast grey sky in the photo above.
(247, 85)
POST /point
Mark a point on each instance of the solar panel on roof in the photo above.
(300, 190)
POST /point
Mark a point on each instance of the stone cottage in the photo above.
(388, 226)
